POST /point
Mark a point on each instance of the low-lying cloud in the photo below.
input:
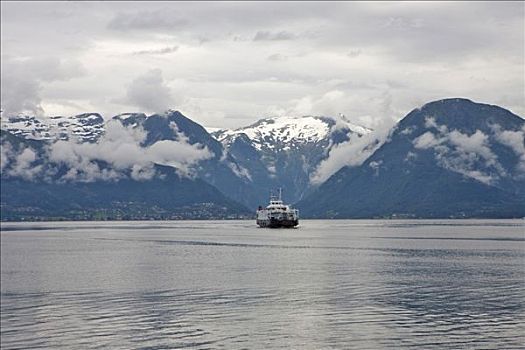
(117, 154)
(21, 162)
(120, 147)
(471, 155)
(516, 141)
(349, 153)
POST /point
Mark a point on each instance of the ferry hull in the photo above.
(277, 223)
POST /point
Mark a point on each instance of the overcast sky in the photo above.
(229, 64)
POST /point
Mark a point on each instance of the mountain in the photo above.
(170, 197)
(244, 164)
(38, 184)
(218, 169)
(87, 127)
(450, 158)
(286, 151)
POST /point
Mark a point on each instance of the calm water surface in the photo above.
(229, 285)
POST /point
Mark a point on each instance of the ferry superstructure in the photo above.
(277, 214)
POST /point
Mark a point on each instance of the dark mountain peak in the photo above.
(450, 101)
(242, 137)
(172, 125)
(128, 119)
(458, 114)
(449, 158)
(174, 114)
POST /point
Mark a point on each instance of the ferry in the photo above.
(277, 214)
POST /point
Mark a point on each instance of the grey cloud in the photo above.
(426, 32)
(162, 19)
(354, 53)
(52, 68)
(433, 49)
(161, 51)
(20, 95)
(149, 92)
(23, 80)
(277, 57)
(273, 36)
(402, 23)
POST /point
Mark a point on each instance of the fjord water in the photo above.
(229, 285)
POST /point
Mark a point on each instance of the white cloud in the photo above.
(349, 153)
(120, 148)
(427, 140)
(516, 141)
(358, 148)
(149, 92)
(19, 163)
(477, 143)
(375, 165)
(430, 122)
(22, 164)
(6, 152)
(239, 170)
(469, 155)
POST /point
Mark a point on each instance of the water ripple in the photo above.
(258, 289)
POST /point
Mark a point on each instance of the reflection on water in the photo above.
(229, 285)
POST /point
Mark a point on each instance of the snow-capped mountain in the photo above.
(244, 164)
(288, 133)
(286, 151)
(451, 157)
(84, 127)
(87, 148)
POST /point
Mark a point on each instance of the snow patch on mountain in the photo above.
(82, 142)
(285, 133)
(84, 127)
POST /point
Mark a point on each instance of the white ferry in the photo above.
(277, 214)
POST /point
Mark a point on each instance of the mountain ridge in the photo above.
(446, 159)
(286, 151)
(49, 195)
(449, 158)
